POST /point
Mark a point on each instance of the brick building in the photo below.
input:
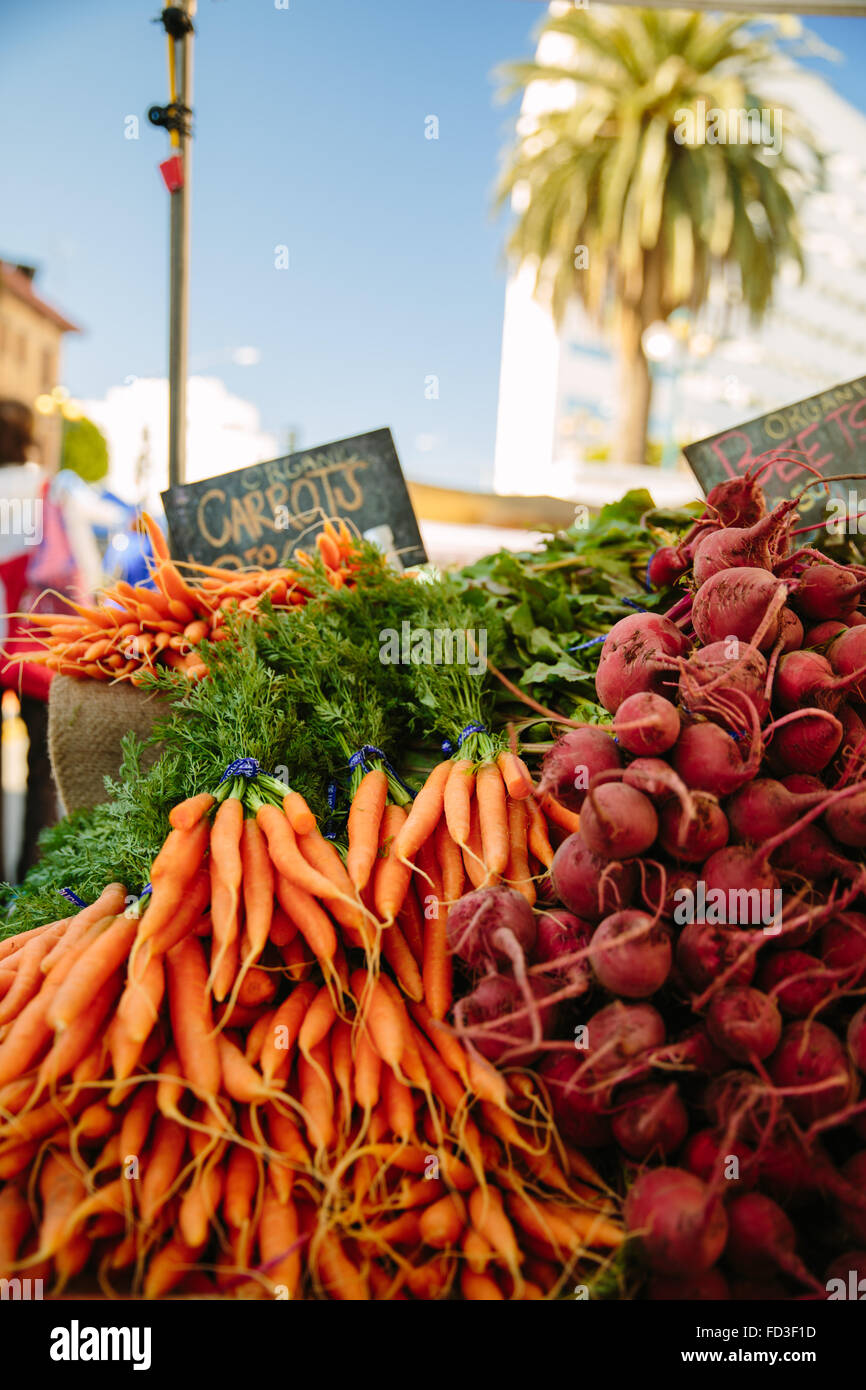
(31, 336)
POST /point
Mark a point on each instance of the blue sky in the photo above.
(310, 134)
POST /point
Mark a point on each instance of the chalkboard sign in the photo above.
(827, 431)
(259, 515)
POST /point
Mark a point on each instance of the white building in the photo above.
(558, 389)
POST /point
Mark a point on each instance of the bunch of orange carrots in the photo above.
(242, 1084)
(131, 629)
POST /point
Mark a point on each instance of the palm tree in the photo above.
(624, 173)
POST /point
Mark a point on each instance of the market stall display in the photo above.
(428, 922)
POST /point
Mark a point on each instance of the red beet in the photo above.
(761, 1239)
(811, 1067)
(647, 724)
(678, 1225)
(570, 765)
(618, 822)
(744, 1023)
(589, 886)
(477, 921)
(695, 838)
(709, 1155)
(724, 666)
(739, 602)
(561, 935)
(630, 954)
(800, 984)
(704, 951)
(578, 1112)
(650, 1119)
(636, 656)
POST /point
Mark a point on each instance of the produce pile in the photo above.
(243, 1081)
(717, 872)
(408, 952)
(133, 629)
(292, 1116)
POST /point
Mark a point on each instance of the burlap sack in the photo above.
(86, 721)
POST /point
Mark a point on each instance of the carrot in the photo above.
(241, 1186)
(282, 929)
(445, 1084)
(14, 1226)
(318, 1021)
(483, 1287)
(77, 928)
(91, 971)
(31, 1032)
(478, 1251)
(160, 1166)
(515, 775)
(365, 819)
(456, 802)
(450, 863)
(17, 1159)
(424, 814)
(443, 1221)
(411, 923)
(557, 813)
(298, 960)
(479, 876)
(488, 1217)
(399, 1106)
(285, 1137)
(191, 1020)
(61, 1189)
(185, 919)
(436, 967)
(13, 944)
(258, 886)
(301, 817)
(287, 857)
(383, 1020)
(199, 1205)
(432, 1279)
(444, 1041)
(395, 949)
(187, 814)
(226, 874)
(392, 875)
(240, 1080)
(167, 1267)
(537, 837)
(589, 1227)
(172, 871)
(403, 1230)
(277, 1049)
(368, 1072)
(78, 1037)
(492, 817)
(28, 977)
(280, 1244)
(317, 1096)
(322, 855)
(340, 1279)
(136, 1124)
(313, 922)
(139, 1004)
(517, 871)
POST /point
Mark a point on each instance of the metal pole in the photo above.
(179, 275)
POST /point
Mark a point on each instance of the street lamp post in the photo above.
(176, 117)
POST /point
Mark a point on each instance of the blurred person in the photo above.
(35, 555)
